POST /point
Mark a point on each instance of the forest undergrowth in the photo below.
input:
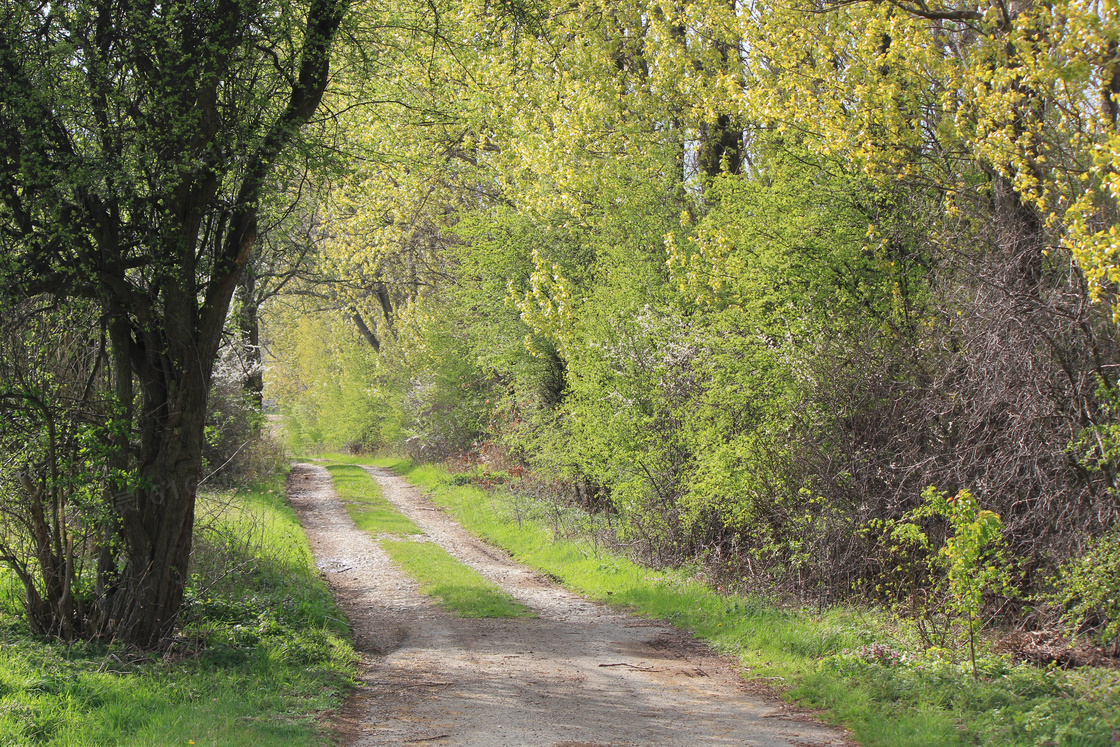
(825, 299)
(821, 299)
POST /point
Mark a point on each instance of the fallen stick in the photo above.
(632, 666)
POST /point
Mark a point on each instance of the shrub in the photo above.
(1088, 589)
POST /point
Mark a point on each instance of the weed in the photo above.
(456, 586)
(362, 498)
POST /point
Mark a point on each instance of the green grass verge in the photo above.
(361, 496)
(458, 587)
(264, 650)
(454, 585)
(858, 666)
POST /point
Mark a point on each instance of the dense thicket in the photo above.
(752, 277)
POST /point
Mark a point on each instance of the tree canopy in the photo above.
(752, 277)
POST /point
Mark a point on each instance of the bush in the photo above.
(1088, 590)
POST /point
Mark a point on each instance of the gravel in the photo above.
(579, 675)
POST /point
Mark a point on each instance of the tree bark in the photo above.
(721, 146)
(173, 362)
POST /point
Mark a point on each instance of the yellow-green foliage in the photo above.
(321, 377)
(1018, 92)
(1088, 588)
(749, 358)
(973, 553)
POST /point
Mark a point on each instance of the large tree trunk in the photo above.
(135, 179)
(154, 515)
(156, 529)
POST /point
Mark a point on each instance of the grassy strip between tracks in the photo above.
(262, 651)
(861, 668)
(455, 586)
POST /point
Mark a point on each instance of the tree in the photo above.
(137, 144)
(284, 259)
(754, 273)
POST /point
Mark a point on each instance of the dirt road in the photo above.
(579, 675)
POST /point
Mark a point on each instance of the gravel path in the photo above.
(579, 675)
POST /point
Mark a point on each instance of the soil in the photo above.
(580, 674)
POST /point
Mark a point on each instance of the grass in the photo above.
(458, 587)
(361, 496)
(859, 667)
(454, 585)
(263, 652)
